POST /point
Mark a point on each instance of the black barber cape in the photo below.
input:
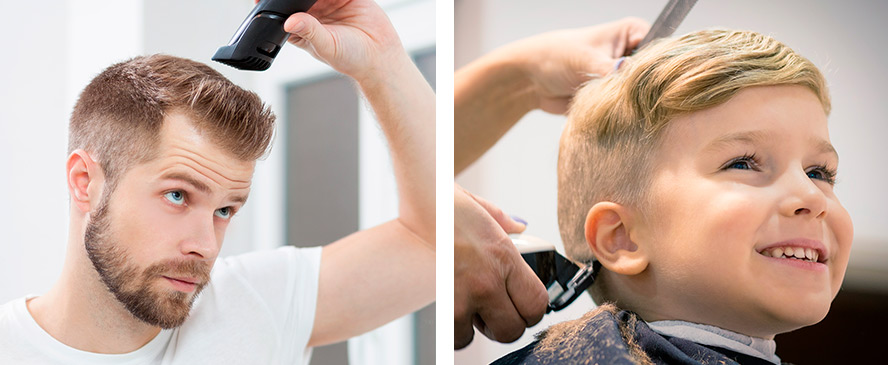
(609, 336)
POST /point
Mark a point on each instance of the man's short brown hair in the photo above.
(119, 115)
(615, 123)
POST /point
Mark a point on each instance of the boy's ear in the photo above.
(85, 179)
(607, 235)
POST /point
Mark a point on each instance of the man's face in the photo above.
(155, 238)
(735, 185)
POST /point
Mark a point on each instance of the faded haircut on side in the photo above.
(616, 123)
(119, 115)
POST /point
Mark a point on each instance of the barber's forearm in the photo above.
(490, 95)
(404, 105)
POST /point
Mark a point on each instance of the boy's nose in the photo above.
(803, 197)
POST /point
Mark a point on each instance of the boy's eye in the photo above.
(746, 162)
(822, 173)
(740, 165)
(224, 213)
(176, 197)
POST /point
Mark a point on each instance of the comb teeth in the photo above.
(249, 63)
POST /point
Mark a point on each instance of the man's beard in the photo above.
(135, 289)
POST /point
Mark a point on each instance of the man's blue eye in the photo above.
(175, 197)
(223, 213)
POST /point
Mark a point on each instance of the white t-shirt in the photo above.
(258, 309)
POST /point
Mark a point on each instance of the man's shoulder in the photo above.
(263, 261)
(276, 280)
(6, 312)
(9, 311)
(17, 334)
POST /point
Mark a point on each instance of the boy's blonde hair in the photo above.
(615, 123)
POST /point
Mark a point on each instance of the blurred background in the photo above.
(846, 40)
(328, 174)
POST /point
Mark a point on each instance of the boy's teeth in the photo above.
(806, 254)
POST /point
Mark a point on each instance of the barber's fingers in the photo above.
(556, 105)
(462, 324)
(629, 34)
(308, 33)
(527, 292)
(505, 221)
(497, 318)
(480, 295)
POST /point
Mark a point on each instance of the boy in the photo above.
(700, 175)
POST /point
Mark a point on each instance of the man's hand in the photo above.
(352, 36)
(542, 72)
(493, 287)
(378, 274)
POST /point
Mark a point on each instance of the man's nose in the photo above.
(201, 237)
(803, 197)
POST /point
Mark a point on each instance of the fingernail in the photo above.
(519, 220)
(619, 63)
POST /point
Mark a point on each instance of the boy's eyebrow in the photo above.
(825, 147)
(753, 137)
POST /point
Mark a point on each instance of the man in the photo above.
(162, 151)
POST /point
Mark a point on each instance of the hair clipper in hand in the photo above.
(260, 36)
(564, 280)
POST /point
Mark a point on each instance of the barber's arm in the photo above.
(377, 275)
(494, 290)
(542, 72)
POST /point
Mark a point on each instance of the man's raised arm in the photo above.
(376, 275)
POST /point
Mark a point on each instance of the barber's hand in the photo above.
(558, 62)
(355, 37)
(493, 286)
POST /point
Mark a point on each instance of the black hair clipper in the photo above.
(261, 36)
(564, 280)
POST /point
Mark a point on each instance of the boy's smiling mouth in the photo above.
(803, 250)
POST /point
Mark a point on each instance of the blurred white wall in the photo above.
(846, 40)
(53, 48)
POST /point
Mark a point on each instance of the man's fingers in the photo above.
(310, 32)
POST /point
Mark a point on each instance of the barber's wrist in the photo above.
(517, 76)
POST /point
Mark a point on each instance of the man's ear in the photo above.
(85, 180)
(607, 235)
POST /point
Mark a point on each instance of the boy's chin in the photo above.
(798, 315)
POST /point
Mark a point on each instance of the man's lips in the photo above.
(185, 284)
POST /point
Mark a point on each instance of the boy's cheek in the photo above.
(838, 222)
